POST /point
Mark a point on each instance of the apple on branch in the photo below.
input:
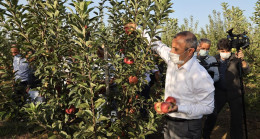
(133, 80)
(128, 61)
(129, 28)
(70, 110)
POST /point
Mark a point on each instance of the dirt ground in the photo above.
(221, 130)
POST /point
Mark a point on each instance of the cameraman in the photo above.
(228, 90)
(205, 60)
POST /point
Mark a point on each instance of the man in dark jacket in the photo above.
(228, 90)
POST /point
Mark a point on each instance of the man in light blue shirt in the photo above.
(22, 74)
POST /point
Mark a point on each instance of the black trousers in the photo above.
(20, 95)
(236, 115)
(182, 128)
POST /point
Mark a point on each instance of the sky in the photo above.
(201, 9)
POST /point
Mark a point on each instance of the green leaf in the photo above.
(109, 134)
(103, 118)
(53, 137)
(63, 133)
(77, 29)
(99, 102)
(56, 13)
(84, 106)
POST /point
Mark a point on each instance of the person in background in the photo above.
(205, 59)
(22, 74)
(228, 90)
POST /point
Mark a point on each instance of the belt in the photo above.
(176, 119)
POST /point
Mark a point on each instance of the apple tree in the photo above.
(91, 73)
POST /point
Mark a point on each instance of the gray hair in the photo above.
(204, 40)
(190, 39)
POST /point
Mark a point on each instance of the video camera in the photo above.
(238, 40)
(207, 66)
(214, 64)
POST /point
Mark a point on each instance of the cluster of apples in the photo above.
(129, 28)
(165, 107)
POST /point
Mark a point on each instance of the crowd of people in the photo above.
(200, 87)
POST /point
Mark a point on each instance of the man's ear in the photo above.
(192, 50)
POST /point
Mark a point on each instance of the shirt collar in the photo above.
(188, 64)
(18, 55)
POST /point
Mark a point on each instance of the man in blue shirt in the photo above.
(22, 73)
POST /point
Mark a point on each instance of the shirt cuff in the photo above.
(183, 109)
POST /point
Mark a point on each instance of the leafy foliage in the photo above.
(68, 45)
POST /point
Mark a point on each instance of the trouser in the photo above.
(146, 94)
(20, 95)
(182, 128)
(236, 116)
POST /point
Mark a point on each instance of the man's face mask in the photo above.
(225, 55)
(175, 58)
(203, 52)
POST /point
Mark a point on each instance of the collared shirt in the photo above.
(211, 59)
(147, 74)
(21, 68)
(190, 84)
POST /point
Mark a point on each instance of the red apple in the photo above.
(85, 26)
(157, 107)
(166, 107)
(127, 61)
(122, 50)
(67, 111)
(137, 96)
(171, 100)
(129, 28)
(70, 110)
(133, 80)
(125, 41)
(131, 111)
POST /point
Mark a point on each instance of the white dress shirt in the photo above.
(190, 84)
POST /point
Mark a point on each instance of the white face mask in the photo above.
(203, 52)
(175, 58)
(225, 55)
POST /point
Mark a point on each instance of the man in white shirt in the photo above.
(189, 83)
